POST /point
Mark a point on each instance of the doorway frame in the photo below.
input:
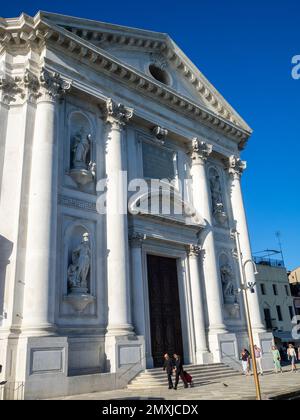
(184, 290)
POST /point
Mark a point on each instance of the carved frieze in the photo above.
(76, 203)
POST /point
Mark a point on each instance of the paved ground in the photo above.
(235, 388)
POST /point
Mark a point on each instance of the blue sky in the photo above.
(245, 50)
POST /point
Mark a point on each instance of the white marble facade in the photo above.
(81, 101)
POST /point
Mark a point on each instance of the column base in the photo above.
(32, 365)
(119, 330)
(41, 330)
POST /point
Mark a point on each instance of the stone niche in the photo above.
(217, 198)
(78, 268)
(81, 152)
(229, 287)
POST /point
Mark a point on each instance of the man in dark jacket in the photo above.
(168, 367)
(179, 371)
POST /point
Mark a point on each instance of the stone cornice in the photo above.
(28, 31)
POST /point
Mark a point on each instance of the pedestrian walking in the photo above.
(178, 367)
(292, 356)
(245, 356)
(168, 367)
(276, 359)
(258, 358)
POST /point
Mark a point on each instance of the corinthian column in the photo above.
(199, 152)
(119, 312)
(201, 350)
(235, 168)
(38, 312)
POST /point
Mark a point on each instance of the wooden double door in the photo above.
(166, 334)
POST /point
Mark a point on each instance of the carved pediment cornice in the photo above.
(38, 32)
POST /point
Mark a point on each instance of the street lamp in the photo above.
(245, 286)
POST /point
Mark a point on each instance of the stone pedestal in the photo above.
(125, 356)
(265, 341)
(225, 349)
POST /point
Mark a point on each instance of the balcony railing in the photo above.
(271, 262)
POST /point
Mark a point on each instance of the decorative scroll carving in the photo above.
(158, 60)
(200, 149)
(236, 166)
(117, 113)
(194, 251)
(160, 134)
(54, 87)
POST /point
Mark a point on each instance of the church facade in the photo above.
(120, 183)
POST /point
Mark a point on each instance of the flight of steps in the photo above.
(202, 374)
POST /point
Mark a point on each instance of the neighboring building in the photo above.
(90, 298)
(294, 279)
(276, 300)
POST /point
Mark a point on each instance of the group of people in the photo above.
(277, 358)
(175, 366)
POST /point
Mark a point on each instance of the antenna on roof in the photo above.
(278, 236)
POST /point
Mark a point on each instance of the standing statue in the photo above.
(80, 145)
(227, 284)
(216, 193)
(79, 268)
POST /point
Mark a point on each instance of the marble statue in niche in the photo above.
(217, 198)
(229, 293)
(83, 170)
(79, 268)
(80, 147)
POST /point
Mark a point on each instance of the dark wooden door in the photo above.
(164, 305)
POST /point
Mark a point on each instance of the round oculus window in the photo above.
(159, 74)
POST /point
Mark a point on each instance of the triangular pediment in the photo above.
(154, 54)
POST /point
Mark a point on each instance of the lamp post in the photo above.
(244, 288)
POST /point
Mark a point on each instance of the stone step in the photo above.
(196, 382)
(152, 378)
(191, 371)
(159, 369)
(194, 375)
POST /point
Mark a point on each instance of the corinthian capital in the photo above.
(117, 113)
(9, 89)
(136, 239)
(194, 251)
(53, 85)
(199, 149)
(236, 166)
